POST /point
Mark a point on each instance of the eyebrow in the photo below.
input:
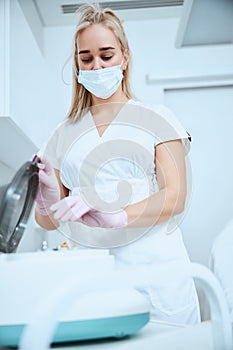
(101, 49)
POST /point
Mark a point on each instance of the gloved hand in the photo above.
(74, 208)
(97, 218)
(48, 189)
(70, 208)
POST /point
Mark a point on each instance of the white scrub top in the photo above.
(118, 169)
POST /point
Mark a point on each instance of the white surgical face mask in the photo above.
(101, 82)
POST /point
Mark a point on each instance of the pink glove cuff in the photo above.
(95, 218)
(123, 219)
(42, 211)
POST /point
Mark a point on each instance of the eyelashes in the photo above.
(89, 59)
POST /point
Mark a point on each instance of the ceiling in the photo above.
(62, 12)
(202, 22)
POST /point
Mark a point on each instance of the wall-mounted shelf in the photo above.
(207, 79)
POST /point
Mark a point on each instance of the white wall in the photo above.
(4, 57)
(34, 96)
(154, 53)
(57, 54)
(210, 120)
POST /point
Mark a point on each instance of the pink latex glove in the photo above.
(70, 209)
(97, 218)
(74, 208)
(48, 189)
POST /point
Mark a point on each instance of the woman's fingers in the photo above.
(69, 209)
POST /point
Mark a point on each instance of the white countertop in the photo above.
(153, 336)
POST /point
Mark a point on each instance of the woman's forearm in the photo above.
(156, 209)
(46, 221)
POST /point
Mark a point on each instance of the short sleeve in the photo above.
(170, 128)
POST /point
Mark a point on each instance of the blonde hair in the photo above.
(94, 14)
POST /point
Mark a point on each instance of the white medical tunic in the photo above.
(118, 169)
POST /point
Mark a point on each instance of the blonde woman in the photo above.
(115, 174)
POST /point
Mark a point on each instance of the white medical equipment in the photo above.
(211, 335)
(36, 283)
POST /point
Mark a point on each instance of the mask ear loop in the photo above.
(63, 68)
(76, 71)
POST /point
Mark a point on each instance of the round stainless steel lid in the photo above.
(16, 202)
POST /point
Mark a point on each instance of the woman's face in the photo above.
(98, 48)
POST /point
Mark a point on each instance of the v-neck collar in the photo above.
(108, 128)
